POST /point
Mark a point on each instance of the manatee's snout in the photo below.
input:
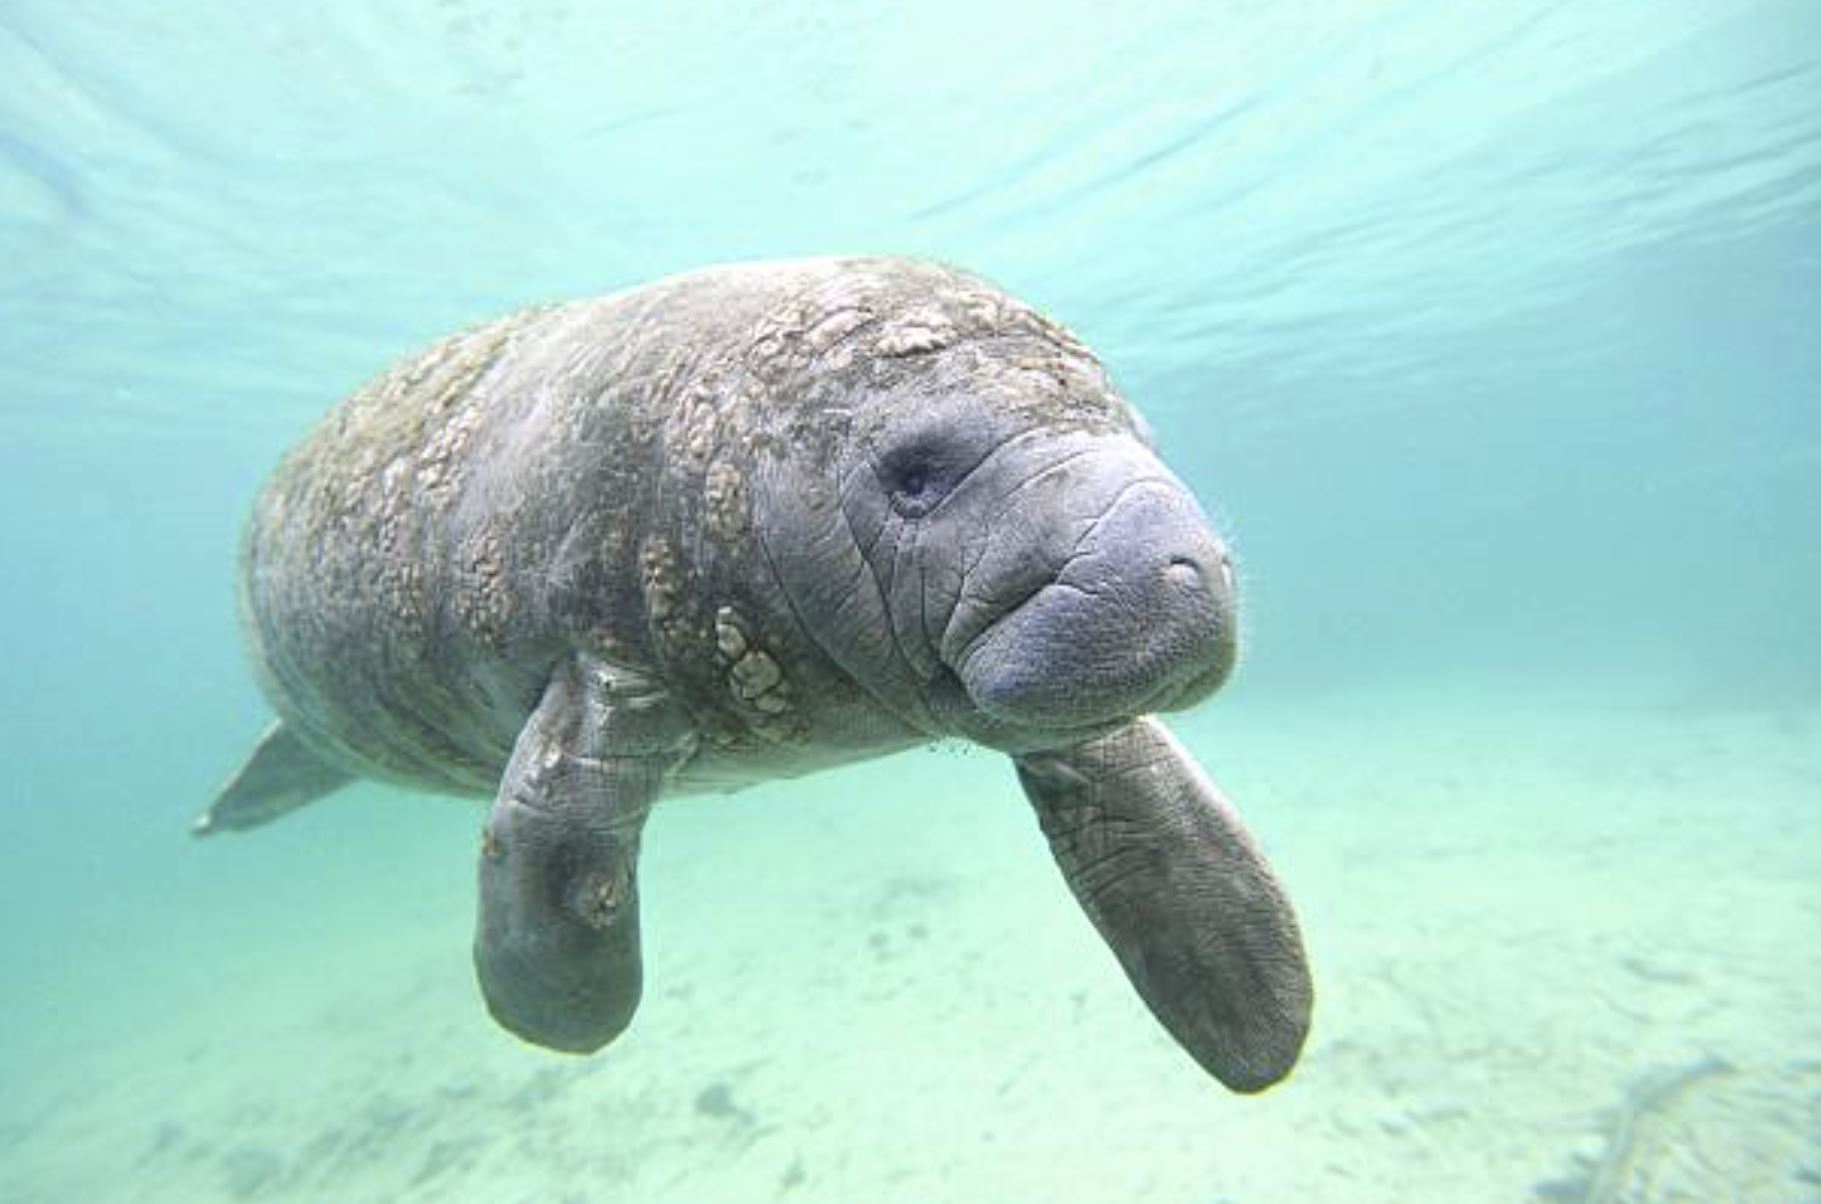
(1138, 617)
(1169, 582)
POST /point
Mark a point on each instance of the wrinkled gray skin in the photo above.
(741, 525)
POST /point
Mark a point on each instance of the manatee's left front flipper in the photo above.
(557, 944)
(1162, 865)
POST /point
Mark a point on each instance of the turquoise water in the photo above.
(1492, 333)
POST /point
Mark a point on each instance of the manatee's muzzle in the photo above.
(1139, 618)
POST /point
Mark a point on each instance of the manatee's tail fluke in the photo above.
(280, 776)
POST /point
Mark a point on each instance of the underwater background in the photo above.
(1491, 333)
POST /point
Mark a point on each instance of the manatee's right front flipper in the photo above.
(1162, 865)
(557, 944)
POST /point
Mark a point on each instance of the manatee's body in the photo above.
(742, 525)
(576, 477)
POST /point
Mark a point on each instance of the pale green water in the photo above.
(1491, 332)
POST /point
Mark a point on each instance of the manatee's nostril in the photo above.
(1226, 574)
(1184, 572)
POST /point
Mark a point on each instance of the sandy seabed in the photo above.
(1563, 952)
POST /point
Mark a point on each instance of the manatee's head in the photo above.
(973, 523)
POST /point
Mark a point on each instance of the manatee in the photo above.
(744, 524)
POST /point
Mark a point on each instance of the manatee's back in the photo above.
(418, 563)
(363, 605)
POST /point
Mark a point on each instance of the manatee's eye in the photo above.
(915, 478)
(925, 459)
